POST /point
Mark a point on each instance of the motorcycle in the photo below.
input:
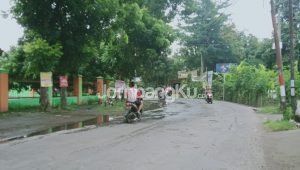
(209, 98)
(131, 113)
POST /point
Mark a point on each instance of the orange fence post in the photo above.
(100, 85)
(77, 88)
(3, 91)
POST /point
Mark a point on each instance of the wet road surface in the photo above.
(188, 134)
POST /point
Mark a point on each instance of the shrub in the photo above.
(288, 114)
(246, 84)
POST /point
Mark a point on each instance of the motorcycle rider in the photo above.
(208, 93)
(140, 100)
(133, 97)
(162, 96)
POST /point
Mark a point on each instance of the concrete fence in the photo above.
(77, 89)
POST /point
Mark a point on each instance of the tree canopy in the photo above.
(111, 38)
(206, 34)
(126, 38)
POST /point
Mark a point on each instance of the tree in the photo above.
(41, 57)
(282, 7)
(119, 41)
(205, 34)
(138, 42)
(265, 53)
(246, 84)
(76, 25)
(13, 61)
(27, 61)
(163, 9)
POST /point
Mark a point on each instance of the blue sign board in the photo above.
(223, 67)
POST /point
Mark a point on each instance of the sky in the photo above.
(251, 16)
(10, 31)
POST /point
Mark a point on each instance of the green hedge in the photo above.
(22, 103)
(27, 103)
(246, 84)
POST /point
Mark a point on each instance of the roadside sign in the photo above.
(46, 79)
(120, 84)
(194, 73)
(183, 74)
(137, 79)
(273, 46)
(223, 67)
(63, 81)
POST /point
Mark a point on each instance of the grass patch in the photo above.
(279, 125)
(270, 110)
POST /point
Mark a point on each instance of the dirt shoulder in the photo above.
(281, 149)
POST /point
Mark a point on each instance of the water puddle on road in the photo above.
(99, 121)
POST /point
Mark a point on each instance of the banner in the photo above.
(119, 84)
(46, 79)
(63, 81)
(210, 78)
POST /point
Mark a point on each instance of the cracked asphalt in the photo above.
(188, 134)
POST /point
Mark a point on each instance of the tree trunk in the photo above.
(44, 98)
(63, 97)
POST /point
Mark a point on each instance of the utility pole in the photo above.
(206, 75)
(292, 57)
(278, 57)
(202, 64)
(224, 80)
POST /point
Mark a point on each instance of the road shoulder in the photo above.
(281, 149)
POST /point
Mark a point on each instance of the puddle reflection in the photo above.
(100, 120)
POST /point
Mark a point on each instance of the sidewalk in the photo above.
(18, 124)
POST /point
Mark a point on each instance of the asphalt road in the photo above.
(189, 134)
